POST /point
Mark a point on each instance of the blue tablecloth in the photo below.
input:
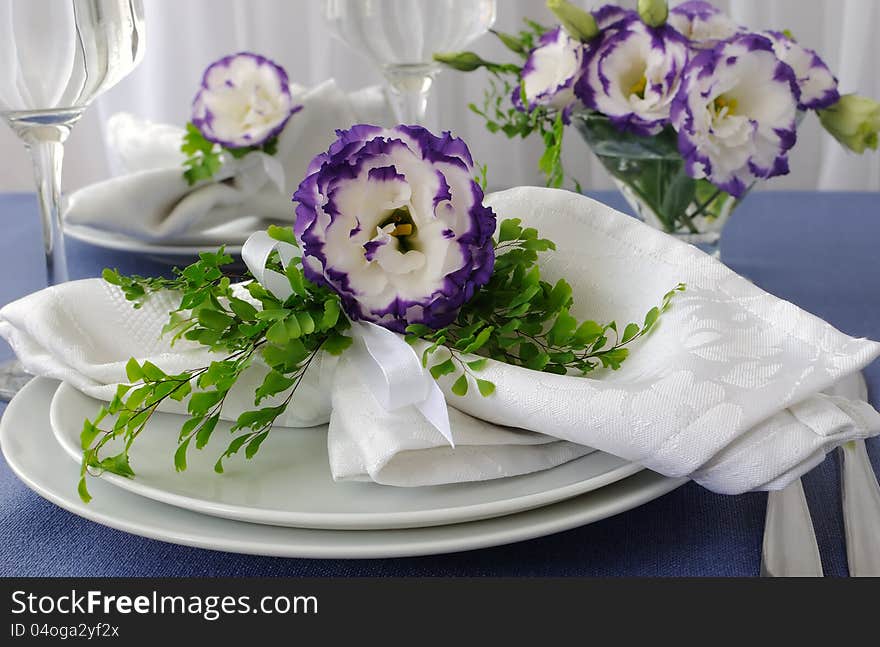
(818, 250)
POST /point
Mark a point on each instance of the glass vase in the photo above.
(651, 175)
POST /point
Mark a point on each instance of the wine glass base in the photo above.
(13, 377)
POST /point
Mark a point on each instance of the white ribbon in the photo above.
(388, 365)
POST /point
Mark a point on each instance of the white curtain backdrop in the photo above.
(183, 36)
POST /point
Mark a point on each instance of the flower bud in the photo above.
(578, 23)
(853, 121)
(653, 12)
(461, 61)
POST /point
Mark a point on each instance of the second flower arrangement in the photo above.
(684, 108)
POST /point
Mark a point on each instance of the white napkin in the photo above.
(153, 202)
(83, 333)
(727, 389)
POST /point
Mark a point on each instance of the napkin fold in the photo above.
(153, 202)
(84, 332)
(727, 388)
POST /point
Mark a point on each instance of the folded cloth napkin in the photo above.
(727, 388)
(84, 332)
(153, 202)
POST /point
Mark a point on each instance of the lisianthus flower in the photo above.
(244, 101)
(701, 23)
(393, 221)
(610, 14)
(816, 82)
(735, 113)
(550, 72)
(632, 74)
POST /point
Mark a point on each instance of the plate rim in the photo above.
(620, 497)
(120, 242)
(341, 521)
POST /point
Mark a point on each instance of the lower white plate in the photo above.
(288, 483)
(27, 443)
(177, 249)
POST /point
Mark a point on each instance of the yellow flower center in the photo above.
(404, 227)
(638, 88)
(723, 102)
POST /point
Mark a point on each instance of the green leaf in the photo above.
(296, 280)
(419, 330)
(538, 362)
(336, 344)
(511, 42)
(117, 464)
(133, 370)
(254, 445)
(509, 230)
(152, 372)
(629, 332)
(679, 194)
(214, 319)
(331, 314)
(587, 333)
(306, 323)
(242, 309)
(486, 387)
(272, 314)
(443, 368)
(477, 364)
(273, 384)
(480, 340)
(279, 333)
(294, 330)
(88, 434)
(180, 456)
(205, 431)
(651, 318)
(613, 358)
(83, 490)
(563, 329)
(203, 401)
(284, 234)
(460, 386)
(111, 276)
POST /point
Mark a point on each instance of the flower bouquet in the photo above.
(685, 109)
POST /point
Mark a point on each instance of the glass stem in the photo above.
(410, 87)
(47, 155)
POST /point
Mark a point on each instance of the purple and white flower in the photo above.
(816, 82)
(550, 72)
(632, 73)
(735, 113)
(701, 23)
(244, 101)
(610, 14)
(393, 221)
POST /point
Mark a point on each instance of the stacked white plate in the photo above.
(176, 250)
(284, 502)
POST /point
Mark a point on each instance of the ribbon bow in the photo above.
(388, 365)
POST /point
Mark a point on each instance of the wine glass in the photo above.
(56, 56)
(401, 37)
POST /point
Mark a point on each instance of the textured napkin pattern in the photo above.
(83, 333)
(727, 389)
(153, 202)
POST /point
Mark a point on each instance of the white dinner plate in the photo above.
(185, 247)
(288, 483)
(30, 451)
